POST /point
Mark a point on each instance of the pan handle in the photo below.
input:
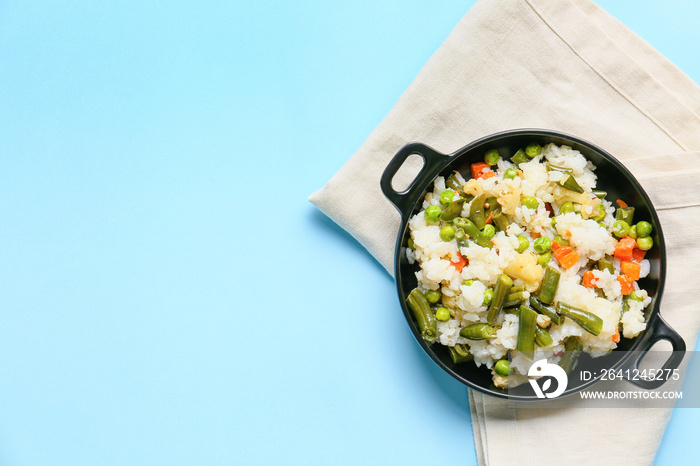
(660, 330)
(432, 159)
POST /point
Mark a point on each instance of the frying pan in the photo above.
(614, 178)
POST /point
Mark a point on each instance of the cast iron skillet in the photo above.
(613, 177)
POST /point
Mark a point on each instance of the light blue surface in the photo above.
(169, 295)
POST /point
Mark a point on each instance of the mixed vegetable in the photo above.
(536, 310)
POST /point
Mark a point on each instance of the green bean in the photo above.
(599, 193)
(473, 232)
(492, 157)
(490, 204)
(533, 150)
(546, 310)
(571, 184)
(502, 367)
(478, 331)
(586, 320)
(572, 350)
(643, 229)
(605, 264)
(453, 210)
(542, 337)
(526, 331)
(556, 168)
(476, 211)
(433, 296)
(461, 238)
(500, 219)
(432, 213)
(469, 282)
(460, 353)
(625, 307)
(514, 299)
(500, 293)
(645, 243)
(451, 182)
(626, 214)
(517, 289)
(519, 158)
(549, 286)
(425, 319)
(634, 296)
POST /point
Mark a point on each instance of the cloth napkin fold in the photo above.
(568, 66)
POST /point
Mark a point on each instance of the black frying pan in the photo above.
(613, 177)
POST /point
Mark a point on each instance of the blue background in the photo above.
(169, 296)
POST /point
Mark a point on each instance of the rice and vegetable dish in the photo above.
(527, 260)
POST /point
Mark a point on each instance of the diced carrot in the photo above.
(616, 336)
(459, 265)
(621, 203)
(588, 279)
(489, 219)
(624, 248)
(486, 176)
(626, 283)
(478, 169)
(631, 269)
(535, 235)
(567, 233)
(555, 245)
(638, 255)
(566, 256)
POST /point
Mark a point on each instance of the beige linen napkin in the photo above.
(568, 66)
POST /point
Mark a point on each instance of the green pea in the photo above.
(602, 225)
(635, 296)
(566, 208)
(633, 232)
(510, 173)
(554, 222)
(446, 197)
(533, 150)
(489, 231)
(488, 296)
(432, 213)
(530, 202)
(601, 213)
(523, 244)
(544, 259)
(469, 282)
(542, 244)
(442, 314)
(492, 157)
(645, 243)
(410, 243)
(562, 242)
(502, 367)
(620, 228)
(643, 229)
(447, 233)
(433, 296)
